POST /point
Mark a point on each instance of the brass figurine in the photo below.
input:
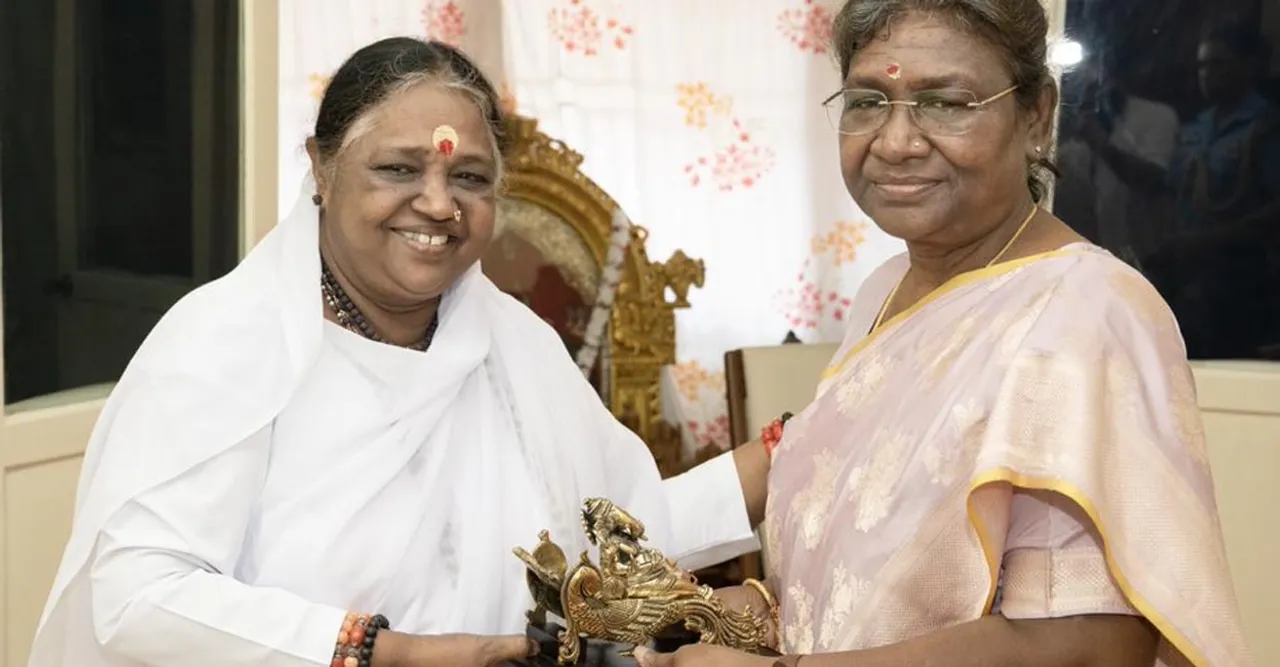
(633, 594)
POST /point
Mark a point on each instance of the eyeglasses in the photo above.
(948, 112)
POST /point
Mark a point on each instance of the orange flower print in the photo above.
(739, 165)
(507, 98)
(444, 22)
(319, 83)
(692, 378)
(807, 26)
(698, 100)
(581, 29)
(842, 242)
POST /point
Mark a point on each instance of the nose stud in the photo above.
(457, 215)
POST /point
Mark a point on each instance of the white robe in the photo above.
(258, 471)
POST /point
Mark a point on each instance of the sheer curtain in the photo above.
(700, 117)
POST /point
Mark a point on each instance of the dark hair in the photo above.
(1016, 28)
(379, 70)
(1241, 38)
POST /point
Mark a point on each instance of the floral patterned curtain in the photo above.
(702, 118)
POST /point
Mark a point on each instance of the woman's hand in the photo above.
(747, 598)
(700, 655)
(735, 598)
(739, 598)
(394, 649)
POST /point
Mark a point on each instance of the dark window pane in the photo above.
(1170, 153)
(118, 173)
(138, 129)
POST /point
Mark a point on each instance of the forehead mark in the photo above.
(445, 140)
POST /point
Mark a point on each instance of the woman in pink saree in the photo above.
(1004, 464)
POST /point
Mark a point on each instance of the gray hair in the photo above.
(391, 66)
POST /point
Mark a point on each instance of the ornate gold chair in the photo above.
(550, 243)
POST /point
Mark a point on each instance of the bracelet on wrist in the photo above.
(354, 647)
(775, 613)
(771, 434)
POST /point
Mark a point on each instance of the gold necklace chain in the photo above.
(1021, 228)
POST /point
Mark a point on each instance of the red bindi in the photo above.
(894, 70)
(445, 139)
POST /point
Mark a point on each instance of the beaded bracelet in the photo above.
(771, 435)
(354, 647)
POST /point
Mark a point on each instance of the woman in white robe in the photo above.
(280, 455)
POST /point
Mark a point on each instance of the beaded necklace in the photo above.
(350, 318)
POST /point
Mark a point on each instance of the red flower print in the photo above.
(838, 306)
(808, 27)
(714, 432)
(444, 22)
(581, 29)
(807, 305)
(739, 165)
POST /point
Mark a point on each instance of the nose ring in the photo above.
(457, 215)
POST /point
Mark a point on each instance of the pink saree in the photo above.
(1032, 424)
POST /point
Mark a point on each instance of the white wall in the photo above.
(1241, 406)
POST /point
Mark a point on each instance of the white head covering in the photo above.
(228, 358)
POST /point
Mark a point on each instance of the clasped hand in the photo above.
(394, 649)
(736, 598)
(401, 650)
(700, 655)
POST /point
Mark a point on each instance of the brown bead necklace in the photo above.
(350, 318)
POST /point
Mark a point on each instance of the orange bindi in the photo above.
(445, 139)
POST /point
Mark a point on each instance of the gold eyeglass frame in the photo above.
(911, 105)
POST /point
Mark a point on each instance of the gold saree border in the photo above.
(997, 475)
(941, 290)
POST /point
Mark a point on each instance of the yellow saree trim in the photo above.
(1077, 496)
(958, 281)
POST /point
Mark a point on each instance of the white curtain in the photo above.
(700, 117)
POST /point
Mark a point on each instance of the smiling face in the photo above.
(390, 196)
(942, 190)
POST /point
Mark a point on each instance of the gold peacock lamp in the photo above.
(631, 596)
